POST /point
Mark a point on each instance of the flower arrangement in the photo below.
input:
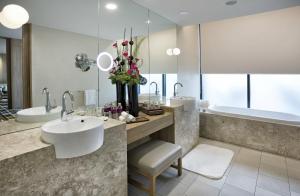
(126, 64)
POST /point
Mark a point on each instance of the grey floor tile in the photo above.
(241, 181)
(189, 178)
(273, 185)
(215, 183)
(274, 171)
(295, 194)
(274, 160)
(263, 192)
(168, 187)
(229, 190)
(245, 169)
(295, 185)
(199, 188)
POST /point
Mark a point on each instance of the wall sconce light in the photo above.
(173, 52)
(13, 16)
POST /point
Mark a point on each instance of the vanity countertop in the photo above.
(12, 126)
(140, 130)
(21, 142)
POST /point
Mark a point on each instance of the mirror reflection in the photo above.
(54, 53)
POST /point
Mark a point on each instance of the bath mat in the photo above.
(209, 161)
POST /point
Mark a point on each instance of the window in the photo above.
(225, 89)
(276, 93)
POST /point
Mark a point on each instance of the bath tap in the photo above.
(156, 88)
(48, 105)
(64, 111)
(176, 93)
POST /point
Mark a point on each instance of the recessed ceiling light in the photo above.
(231, 2)
(148, 21)
(111, 6)
(183, 12)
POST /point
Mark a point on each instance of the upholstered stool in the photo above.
(151, 159)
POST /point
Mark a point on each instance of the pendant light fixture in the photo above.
(13, 16)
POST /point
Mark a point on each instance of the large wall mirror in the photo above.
(58, 49)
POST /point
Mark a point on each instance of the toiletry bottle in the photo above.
(114, 111)
(119, 109)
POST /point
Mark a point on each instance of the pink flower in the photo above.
(125, 54)
(115, 45)
(133, 66)
(125, 43)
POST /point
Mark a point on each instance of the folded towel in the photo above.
(204, 104)
(90, 97)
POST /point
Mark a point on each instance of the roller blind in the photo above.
(261, 43)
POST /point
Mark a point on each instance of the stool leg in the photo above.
(152, 188)
(179, 167)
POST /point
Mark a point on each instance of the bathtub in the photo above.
(260, 115)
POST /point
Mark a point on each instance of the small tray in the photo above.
(138, 120)
(153, 112)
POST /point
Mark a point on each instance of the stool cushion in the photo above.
(153, 156)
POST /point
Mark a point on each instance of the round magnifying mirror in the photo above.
(105, 61)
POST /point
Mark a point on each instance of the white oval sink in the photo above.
(189, 103)
(76, 137)
(38, 114)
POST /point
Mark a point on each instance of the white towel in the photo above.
(90, 97)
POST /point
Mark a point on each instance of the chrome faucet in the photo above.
(48, 105)
(64, 111)
(156, 88)
(175, 92)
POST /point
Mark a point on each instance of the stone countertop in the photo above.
(12, 126)
(21, 142)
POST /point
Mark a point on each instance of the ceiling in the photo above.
(201, 11)
(81, 16)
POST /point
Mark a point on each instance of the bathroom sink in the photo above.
(146, 97)
(76, 137)
(37, 114)
(189, 103)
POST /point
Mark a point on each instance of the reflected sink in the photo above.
(37, 114)
(189, 103)
(146, 97)
(76, 137)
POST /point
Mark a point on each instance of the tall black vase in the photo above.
(133, 102)
(121, 94)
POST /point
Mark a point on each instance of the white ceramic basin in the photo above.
(146, 97)
(189, 103)
(38, 114)
(76, 137)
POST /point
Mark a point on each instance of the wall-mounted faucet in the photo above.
(64, 111)
(156, 88)
(48, 105)
(175, 92)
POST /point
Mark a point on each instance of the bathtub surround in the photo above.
(31, 168)
(265, 136)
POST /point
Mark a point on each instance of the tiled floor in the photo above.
(250, 173)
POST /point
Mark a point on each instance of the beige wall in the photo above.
(188, 60)
(53, 53)
(261, 43)
(160, 62)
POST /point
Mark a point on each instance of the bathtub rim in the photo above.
(253, 118)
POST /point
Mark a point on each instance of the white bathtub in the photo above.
(261, 115)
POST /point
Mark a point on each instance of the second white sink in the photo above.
(189, 103)
(38, 114)
(76, 137)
